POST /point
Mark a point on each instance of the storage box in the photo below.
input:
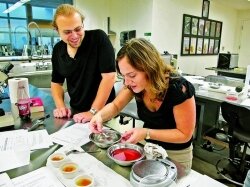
(36, 105)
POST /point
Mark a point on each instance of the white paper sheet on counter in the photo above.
(14, 149)
(42, 177)
(77, 134)
(5, 180)
(39, 139)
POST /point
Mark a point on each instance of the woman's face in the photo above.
(136, 80)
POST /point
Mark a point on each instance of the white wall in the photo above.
(167, 31)
(164, 19)
(95, 12)
(242, 16)
(124, 15)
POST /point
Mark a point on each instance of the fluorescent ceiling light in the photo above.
(15, 6)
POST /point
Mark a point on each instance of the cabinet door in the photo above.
(244, 54)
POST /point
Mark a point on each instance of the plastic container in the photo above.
(232, 96)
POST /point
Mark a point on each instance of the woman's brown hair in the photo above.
(144, 57)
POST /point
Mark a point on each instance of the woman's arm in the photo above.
(111, 109)
(185, 118)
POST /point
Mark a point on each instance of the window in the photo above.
(20, 12)
(4, 38)
(2, 8)
(13, 27)
(18, 25)
(19, 40)
(42, 13)
(4, 25)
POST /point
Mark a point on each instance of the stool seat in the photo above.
(130, 110)
(238, 121)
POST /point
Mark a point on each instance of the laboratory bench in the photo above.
(38, 158)
(234, 72)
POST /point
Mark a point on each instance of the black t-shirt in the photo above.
(83, 73)
(164, 117)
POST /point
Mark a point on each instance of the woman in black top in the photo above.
(165, 102)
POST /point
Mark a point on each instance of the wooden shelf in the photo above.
(211, 136)
(111, 34)
(216, 142)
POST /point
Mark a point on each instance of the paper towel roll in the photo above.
(14, 84)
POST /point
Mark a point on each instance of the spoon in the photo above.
(74, 151)
(106, 135)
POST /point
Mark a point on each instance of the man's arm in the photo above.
(58, 94)
(104, 90)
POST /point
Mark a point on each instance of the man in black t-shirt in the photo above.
(86, 60)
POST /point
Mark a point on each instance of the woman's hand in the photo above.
(95, 124)
(82, 117)
(134, 135)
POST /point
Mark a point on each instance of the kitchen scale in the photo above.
(153, 173)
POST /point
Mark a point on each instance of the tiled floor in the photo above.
(203, 162)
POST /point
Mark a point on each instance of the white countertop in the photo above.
(204, 90)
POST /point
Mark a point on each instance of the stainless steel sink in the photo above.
(27, 67)
(38, 73)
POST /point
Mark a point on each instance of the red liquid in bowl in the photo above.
(126, 154)
(231, 98)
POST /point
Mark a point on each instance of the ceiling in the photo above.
(42, 3)
(237, 4)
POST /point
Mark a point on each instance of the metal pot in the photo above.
(153, 173)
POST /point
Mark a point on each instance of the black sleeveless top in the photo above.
(164, 117)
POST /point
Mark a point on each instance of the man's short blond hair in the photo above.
(65, 10)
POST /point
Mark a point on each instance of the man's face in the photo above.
(71, 30)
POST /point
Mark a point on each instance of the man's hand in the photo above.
(62, 112)
(82, 117)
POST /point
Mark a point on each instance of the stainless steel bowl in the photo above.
(106, 138)
(121, 146)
